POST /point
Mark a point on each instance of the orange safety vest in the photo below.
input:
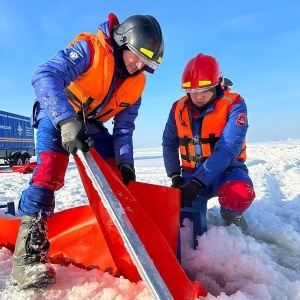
(212, 126)
(88, 91)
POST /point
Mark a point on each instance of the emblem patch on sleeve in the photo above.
(74, 56)
(241, 120)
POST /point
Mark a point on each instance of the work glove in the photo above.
(127, 173)
(75, 136)
(190, 191)
(177, 181)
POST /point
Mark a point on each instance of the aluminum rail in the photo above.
(132, 242)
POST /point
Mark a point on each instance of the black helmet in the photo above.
(143, 36)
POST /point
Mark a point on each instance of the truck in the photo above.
(17, 144)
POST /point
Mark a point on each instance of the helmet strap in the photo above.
(120, 66)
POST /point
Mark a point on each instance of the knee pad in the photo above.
(50, 170)
(236, 195)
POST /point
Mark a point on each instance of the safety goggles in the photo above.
(200, 89)
(147, 61)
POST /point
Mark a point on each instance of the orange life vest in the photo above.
(89, 90)
(212, 126)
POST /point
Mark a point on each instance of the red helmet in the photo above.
(201, 73)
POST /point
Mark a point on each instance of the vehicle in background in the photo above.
(17, 143)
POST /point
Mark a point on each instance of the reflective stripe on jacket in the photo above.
(89, 90)
(212, 126)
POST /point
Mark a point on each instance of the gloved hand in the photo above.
(190, 191)
(74, 136)
(177, 181)
(127, 173)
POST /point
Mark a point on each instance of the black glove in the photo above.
(177, 181)
(190, 191)
(127, 173)
(74, 136)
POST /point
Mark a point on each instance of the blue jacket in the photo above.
(226, 149)
(49, 81)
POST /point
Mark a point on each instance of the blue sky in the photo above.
(256, 42)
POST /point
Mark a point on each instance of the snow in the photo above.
(230, 265)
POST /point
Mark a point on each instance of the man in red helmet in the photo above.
(97, 77)
(209, 129)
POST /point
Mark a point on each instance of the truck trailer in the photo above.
(17, 143)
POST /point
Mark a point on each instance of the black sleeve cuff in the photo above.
(198, 181)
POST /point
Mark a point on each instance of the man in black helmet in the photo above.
(96, 78)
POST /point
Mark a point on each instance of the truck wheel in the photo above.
(18, 161)
(25, 158)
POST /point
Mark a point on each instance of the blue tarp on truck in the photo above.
(17, 143)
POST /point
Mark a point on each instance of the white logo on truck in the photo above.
(20, 129)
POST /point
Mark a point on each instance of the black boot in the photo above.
(231, 217)
(31, 266)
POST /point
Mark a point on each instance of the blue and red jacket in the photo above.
(51, 78)
(229, 142)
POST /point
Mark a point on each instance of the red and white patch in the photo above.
(241, 120)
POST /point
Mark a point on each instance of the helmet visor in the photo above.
(200, 89)
(147, 61)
